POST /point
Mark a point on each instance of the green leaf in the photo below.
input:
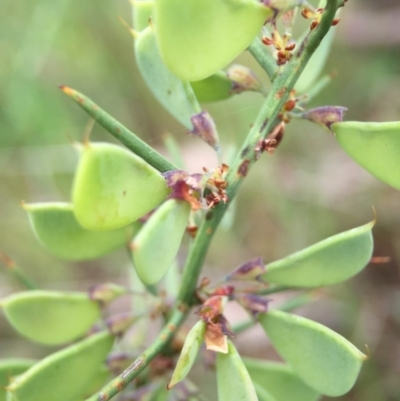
(113, 187)
(189, 352)
(374, 146)
(57, 229)
(198, 38)
(279, 380)
(51, 317)
(233, 380)
(65, 375)
(10, 368)
(175, 95)
(156, 246)
(323, 359)
(327, 262)
(142, 12)
(213, 88)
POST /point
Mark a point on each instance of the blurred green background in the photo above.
(309, 189)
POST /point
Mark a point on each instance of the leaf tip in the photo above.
(8, 262)
(365, 357)
(373, 222)
(67, 90)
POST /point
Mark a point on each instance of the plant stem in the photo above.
(264, 58)
(264, 123)
(281, 87)
(121, 381)
(119, 131)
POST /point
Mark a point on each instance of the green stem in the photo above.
(119, 131)
(261, 53)
(121, 381)
(265, 121)
(263, 56)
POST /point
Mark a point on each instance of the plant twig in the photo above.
(263, 124)
(131, 372)
(264, 58)
(247, 156)
(119, 131)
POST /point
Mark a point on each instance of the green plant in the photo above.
(115, 189)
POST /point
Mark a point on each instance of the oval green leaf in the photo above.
(327, 262)
(57, 229)
(51, 317)
(374, 146)
(323, 359)
(175, 95)
(189, 352)
(114, 187)
(142, 12)
(156, 246)
(199, 37)
(216, 87)
(65, 375)
(10, 368)
(279, 380)
(233, 380)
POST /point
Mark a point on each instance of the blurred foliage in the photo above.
(309, 189)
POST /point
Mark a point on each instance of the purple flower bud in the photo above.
(325, 116)
(106, 293)
(173, 176)
(243, 79)
(253, 303)
(119, 323)
(204, 127)
(249, 271)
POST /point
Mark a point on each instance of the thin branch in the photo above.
(261, 53)
(131, 372)
(265, 120)
(119, 131)
(247, 156)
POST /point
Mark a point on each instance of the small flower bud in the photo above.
(249, 271)
(253, 303)
(119, 323)
(106, 293)
(325, 116)
(204, 127)
(243, 79)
